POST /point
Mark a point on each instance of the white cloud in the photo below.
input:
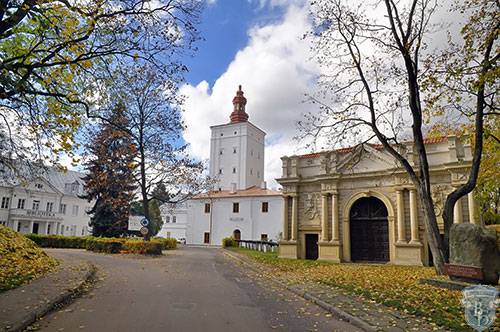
(275, 72)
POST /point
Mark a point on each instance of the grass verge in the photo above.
(394, 286)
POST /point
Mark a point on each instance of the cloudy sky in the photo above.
(259, 45)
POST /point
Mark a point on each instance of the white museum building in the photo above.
(240, 206)
(45, 204)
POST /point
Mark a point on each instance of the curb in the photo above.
(338, 313)
(31, 317)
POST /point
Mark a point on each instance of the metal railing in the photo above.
(265, 246)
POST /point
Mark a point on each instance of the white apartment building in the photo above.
(46, 204)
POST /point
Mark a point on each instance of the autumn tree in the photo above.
(153, 105)
(57, 56)
(462, 84)
(371, 55)
(109, 182)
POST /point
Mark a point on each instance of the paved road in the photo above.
(190, 289)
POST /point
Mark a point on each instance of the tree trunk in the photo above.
(432, 231)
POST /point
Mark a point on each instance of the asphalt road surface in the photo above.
(189, 289)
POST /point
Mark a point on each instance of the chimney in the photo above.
(263, 185)
(233, 188)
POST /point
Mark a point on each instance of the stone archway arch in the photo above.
(346, 236)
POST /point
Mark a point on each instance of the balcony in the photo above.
(36, 214)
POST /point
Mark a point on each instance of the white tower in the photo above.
(237, 150)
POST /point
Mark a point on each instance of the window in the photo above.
(263, 237)
(167, 219)
(235, 132)
(234, 170)
(50, 206)
(174, 219)
(222, 134)
(221, 152)
(251, 171)
(62, 209)
(49, 228)
(236, 207)
(75, 210)
(18, 226)
(220, 170)
(20, 203)
(207, 207)
(38, 185)
(234, 149)
(3, 223)
(36, 205)
(265, 207)
(5, 202)
(206, 238)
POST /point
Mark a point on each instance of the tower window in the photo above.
(234, 149)
(236, 207)
(207, 207)
(222, 134)
(234, 169)
(221, 151)
(235, 132)
(265, 207)
(220, 170)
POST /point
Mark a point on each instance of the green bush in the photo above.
(54, 241)
(167, 244)
(143, 247)
(228, 242)
(108, 246)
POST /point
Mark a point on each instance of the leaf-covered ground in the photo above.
(20, 259)
(394, 286)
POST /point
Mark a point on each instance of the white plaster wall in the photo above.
(250, 220)
(246, 138)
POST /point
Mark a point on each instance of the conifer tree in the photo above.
(109, 182)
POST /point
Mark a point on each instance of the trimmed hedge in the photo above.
(105, 245)
(54, 241)
(228, 242)
(143, 247)
(167, 244)
(108, 246)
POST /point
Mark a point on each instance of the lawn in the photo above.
(394, 286)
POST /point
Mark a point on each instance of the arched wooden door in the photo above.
(237, 234)
(369, 230)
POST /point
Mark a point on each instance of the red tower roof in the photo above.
(239, 102)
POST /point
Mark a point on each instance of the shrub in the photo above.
(167, 244)
(228, 242)
(108, 246)
(54, 241)
(143, 247)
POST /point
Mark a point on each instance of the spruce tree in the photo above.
(109, 180)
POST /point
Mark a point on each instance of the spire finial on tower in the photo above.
(239, 103)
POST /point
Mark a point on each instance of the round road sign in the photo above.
(144, 230)
(144, 222)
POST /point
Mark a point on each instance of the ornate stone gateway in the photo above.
(369, 230)
(362, 206)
